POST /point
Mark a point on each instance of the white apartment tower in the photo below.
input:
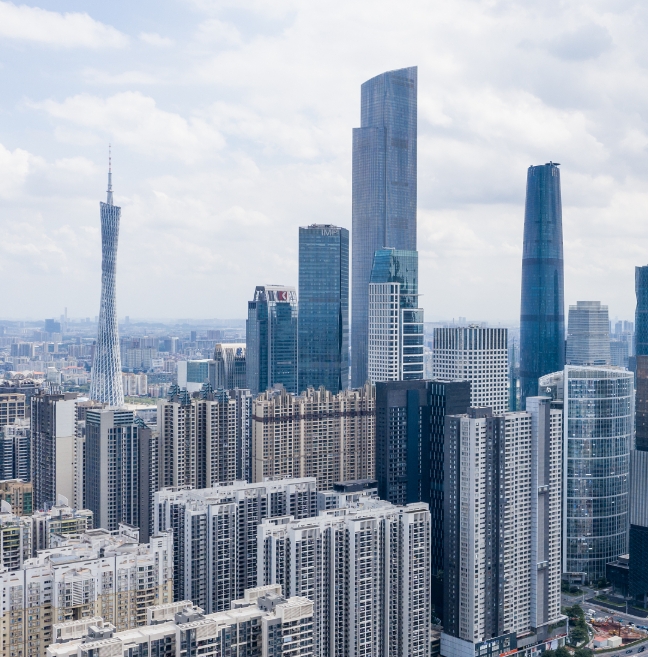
(98, 574)
(478, 355)
(317, 434)
(502, 529)
(367, 570)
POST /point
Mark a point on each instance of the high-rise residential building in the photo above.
(106, 382)
(16, 540)
(262, 624)
(395, 320)
(98, 574)
(478, 355)
(19, 494)
(12, 408)
(229, 367)
(503, 501)
(198, 439)
(597, 465)
(121, 469)
(367, 570)
(271, 339)
(316, 434)
(243, 399)
(588, 334)
(384, 191)
(28, 387)
(60, 523)
(323, 307)
(215, 534)
(542, 315)
(15, 451)
(53, 447)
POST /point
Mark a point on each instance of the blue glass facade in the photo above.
(271, 337)
(542, 317)
(384, 190)
(323, 308)
(641, 313)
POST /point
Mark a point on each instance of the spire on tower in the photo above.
(110, 192)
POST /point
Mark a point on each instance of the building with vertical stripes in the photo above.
(478, 355)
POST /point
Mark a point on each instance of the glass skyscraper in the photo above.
(542, 317)
(395, 321)
(323, 307)
(384, 191)
(599, 423)
(641, 313)
(588, 334)
(271, 337)
(106, 382)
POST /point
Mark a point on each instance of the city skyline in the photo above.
(271, 163)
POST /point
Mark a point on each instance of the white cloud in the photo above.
(68, 30)
(153, 39)
(15, 166)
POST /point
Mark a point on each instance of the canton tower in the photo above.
(106, 385)
(542, 318)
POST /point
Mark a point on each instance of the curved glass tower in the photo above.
(106, 382)
(542, 316)
(384, 191)
(599, 417)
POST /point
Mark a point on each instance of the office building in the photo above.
(121, 469)
(19, 494)
(588, 334)
(542, 318)
(478, 355)
(106, 381)
(384, 191)
(620, 353)
(229, 366)
(271, 339)
(323, 307)
(410, 427)
(193, 374)
(15, 451)
(318, 434)
(198, 439)
(367, 571)
(53, 447)
(638, 535)
(641, 343)
(12, 408)
(595, 523)
(97, 574)
(263, 624)
(502, 574)
(215, 534)
(395, 320)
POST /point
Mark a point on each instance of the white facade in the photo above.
(478, 355)
(366, 567)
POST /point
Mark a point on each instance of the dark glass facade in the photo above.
(641, 313)
(542, 316)
(384, 190)
(271, 337)
(323, 308)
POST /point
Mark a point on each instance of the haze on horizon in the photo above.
(231, 124)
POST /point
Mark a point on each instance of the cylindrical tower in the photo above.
(106, 382)
(542, 316)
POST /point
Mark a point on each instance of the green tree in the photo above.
(583, 652)
(563, 652)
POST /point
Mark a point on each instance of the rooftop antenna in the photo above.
(110, 192)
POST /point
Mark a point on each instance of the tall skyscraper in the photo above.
(542, 317)
(478, 355)
(316, 434)
(271, 337)
(106, 382)
(599, 423)
(367, 570)
(395, 320)
(229, 369)
(323, 307)
(384, 191)
(503, 483)
(588, 334)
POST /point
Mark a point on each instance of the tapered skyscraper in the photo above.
(384, 191)
(106, 384)
(542, 317)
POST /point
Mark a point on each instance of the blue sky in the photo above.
(231, 126)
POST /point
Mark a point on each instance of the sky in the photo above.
(230, 123)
